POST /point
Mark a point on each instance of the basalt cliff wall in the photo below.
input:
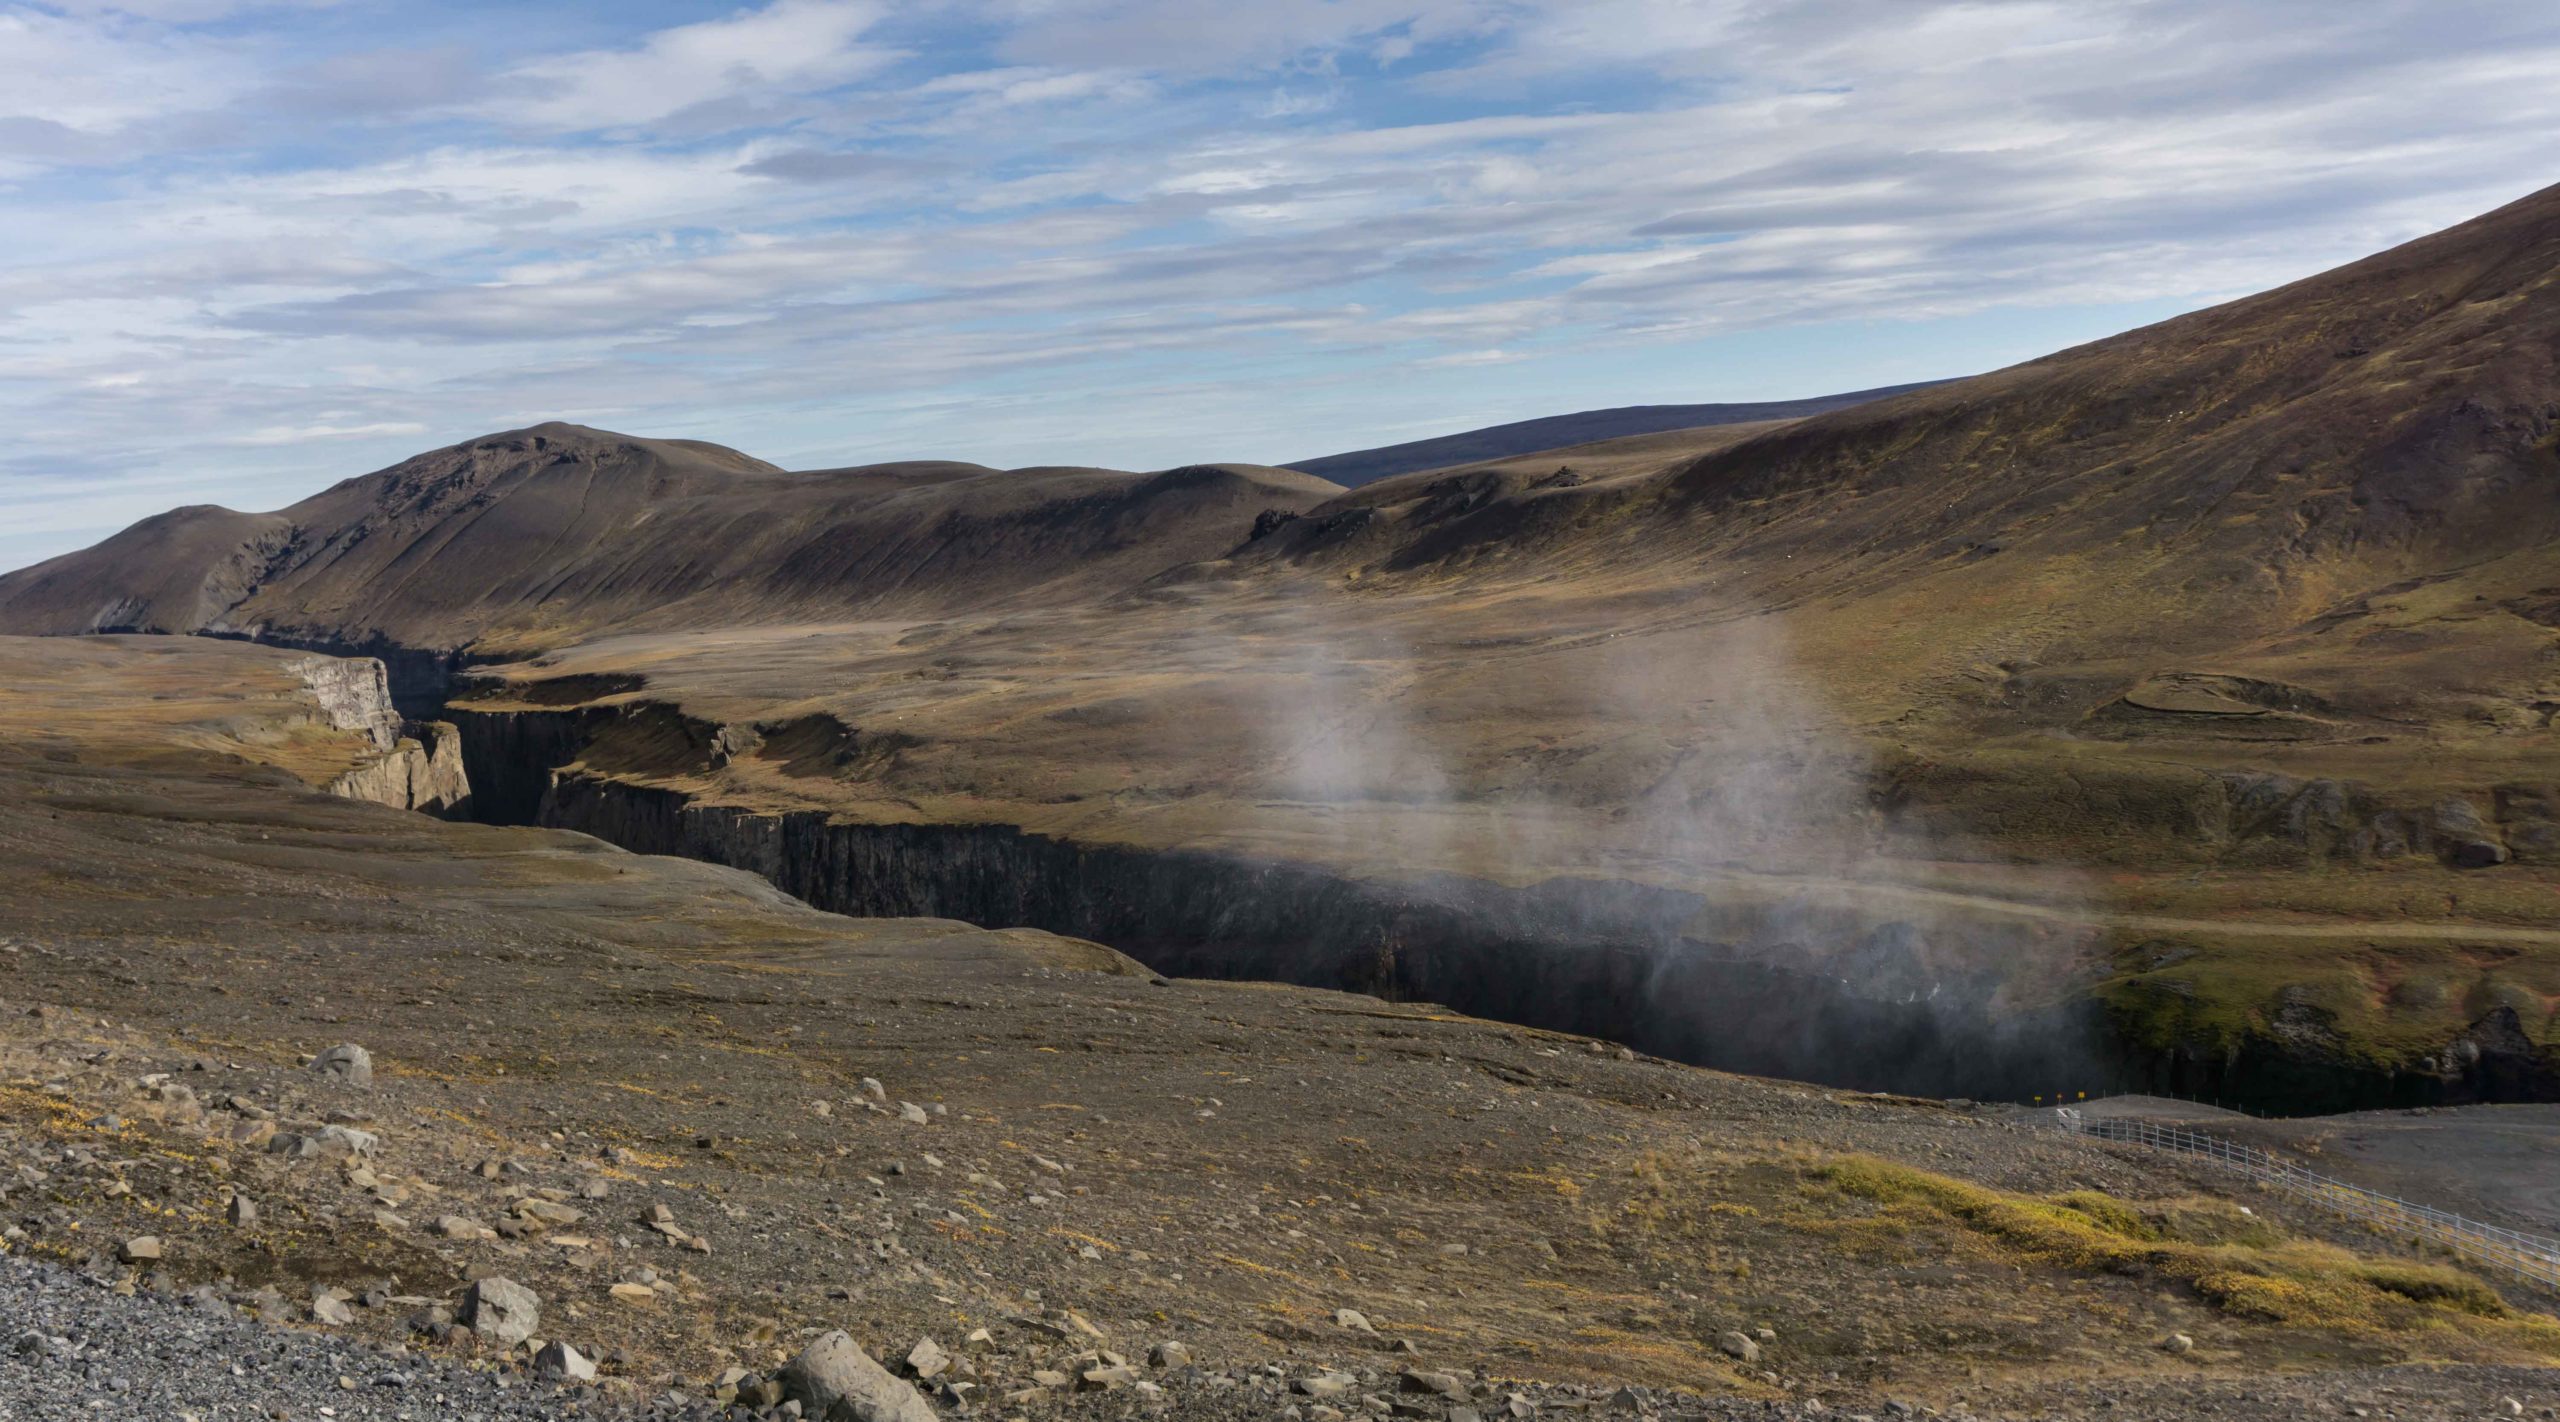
(1606, 958)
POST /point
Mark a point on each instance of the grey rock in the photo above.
(347, 1062)
(328, 1142)
(927, 1359)
(190, 1354)
(501, 1309)
(559, 1360)
(833, 1380)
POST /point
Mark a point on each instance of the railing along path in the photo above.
(2510, 1251)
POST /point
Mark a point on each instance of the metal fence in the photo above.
(2509, 1251)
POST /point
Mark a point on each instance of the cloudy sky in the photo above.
(252, 246)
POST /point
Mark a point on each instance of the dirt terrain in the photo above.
(2192, 688)
(915, 1129)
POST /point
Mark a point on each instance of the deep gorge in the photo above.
(1606, 959)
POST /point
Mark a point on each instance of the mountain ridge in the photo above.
(2077, 680)
(526, 535)
(1550, 432)
(2280, 452)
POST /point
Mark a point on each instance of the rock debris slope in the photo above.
(2195, 686)
(402, 1115)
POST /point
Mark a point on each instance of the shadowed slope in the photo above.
(543, 534)
(2209, 670)
(1364, 466)
(2390, 419)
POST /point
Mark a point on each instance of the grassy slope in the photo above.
(2031, 639)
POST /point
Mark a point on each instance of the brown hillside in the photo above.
(2208, 671)
(544, 534)
(2244, 467)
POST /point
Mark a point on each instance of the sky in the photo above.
(250, 247)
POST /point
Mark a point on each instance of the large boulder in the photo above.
(347, 1062)
(560, 1361)
(833, 1380)
(501, 1310)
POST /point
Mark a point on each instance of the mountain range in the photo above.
(1364, 466)
(2201, 678)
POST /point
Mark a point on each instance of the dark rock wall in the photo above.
(1602, 958)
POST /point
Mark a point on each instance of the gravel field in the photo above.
(77, 1348)
(296, 1089)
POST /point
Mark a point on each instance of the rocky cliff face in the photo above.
(1612, 959)
(1585, 956)
(423, 772)
(354, 694)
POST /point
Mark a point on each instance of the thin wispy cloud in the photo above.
(253, 247)
(749, 60)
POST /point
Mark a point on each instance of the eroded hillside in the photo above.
(698, 1124)
(2172, 711)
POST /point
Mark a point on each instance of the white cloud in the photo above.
(1091, 220)
(1184, 36)
(97, 77)
(787, 47)
(182, 11)
(305, 434)
(1483, 357)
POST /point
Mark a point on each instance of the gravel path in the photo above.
(71, 1347)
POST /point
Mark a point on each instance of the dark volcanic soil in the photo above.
(566, 1036)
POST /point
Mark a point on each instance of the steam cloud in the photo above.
(1801, 935)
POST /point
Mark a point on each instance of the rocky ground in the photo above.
(84, 1346)
(652, 1118)
(81, 1346)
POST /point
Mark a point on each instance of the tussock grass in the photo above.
(2237, 1264)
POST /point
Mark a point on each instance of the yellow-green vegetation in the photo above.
(2379, 1002)
(2239, 1264)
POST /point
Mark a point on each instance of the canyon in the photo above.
(2172, 712)
(699, 1123)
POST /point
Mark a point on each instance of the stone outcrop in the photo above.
(421, 772)
(354, 694)
(833, 1380)
(501, 1310)
(1917, 1006)
(1611, 958)
(415, 767)
(2343, 821)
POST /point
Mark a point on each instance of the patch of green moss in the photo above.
(2249, 1273)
